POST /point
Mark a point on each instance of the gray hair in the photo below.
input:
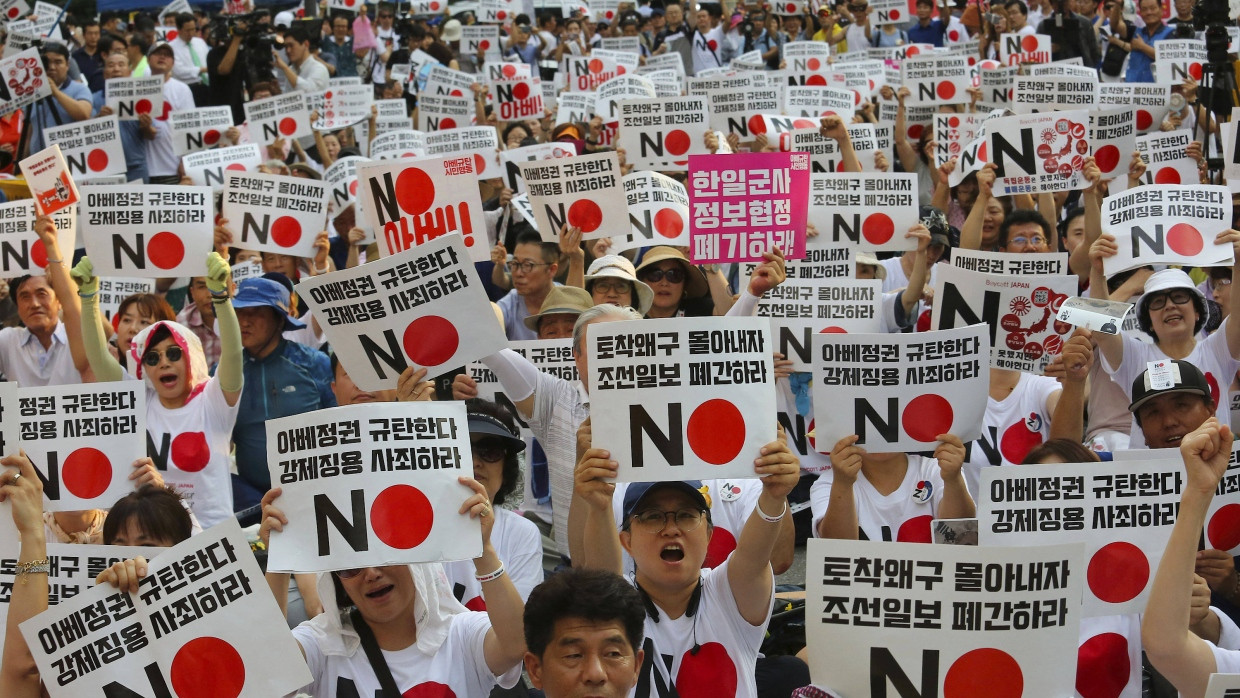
(598, 311)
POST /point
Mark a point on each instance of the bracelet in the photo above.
(86, 295)
(34, 567)
(484, 578)
(55, 261)
(223, 293)
(220, 300)
(768, 518)
(324, 270)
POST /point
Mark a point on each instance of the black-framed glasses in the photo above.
(654, 520)
(612, 286)
(527, 267)
(674, 275)
(489, 451)
(153, 356)
(1178, 296)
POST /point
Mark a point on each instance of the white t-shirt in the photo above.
(903, 516)
(1211, 355)
(1108, 657)
(1011, 427)
(854, 34)
(161, 157)
(708, 49)
(193, 442)
(727, 646)
(458, 669)
(518, 542)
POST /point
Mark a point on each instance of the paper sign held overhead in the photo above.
(130, 97)
(21, 251)
(1094, 314)
(871, 211)
(1168, 224)
(1037, 153)
(743, 205)
(583, 192)
(199, 129)
(282, 116)
(274, 213)
(658, 212)
(409, 203)
(153, 231)
(207, 168)
(91, 148)
(800, 308)
(51, 184)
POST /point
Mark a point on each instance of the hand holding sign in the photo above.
(24, 489)
(124, 575)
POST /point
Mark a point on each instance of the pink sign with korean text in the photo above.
(742, 205)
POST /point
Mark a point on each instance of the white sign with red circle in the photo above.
(936, 79)
(665, 61)
(21, 251)
(658, 212)
(341, 105)
(511, 158)
(866, 210)
(152, 231)
(618, 89)
(898, 53)
(1017, 49)
(444, 81)
(394, 145)
(917, 117)
(201, 625)
(579, 192)
(898, 392)
(496, 11)
(694, 399)
(480, 37)
(282, 116)
(1169, 224)
(82, 440)
(479, 142)
(341, 180)
(422, 307)
(948, 620)
(1113, 138)
(274, 213)
(395, 467)
(129, 98)
(1032, 94)
(443, 112)
(737, 110)
(574, 107)
(802, 307)
(1179, 59)
(1166, 158)
(816, 101)
(1122, 511)
(889, 12)
(1150, 100)
(91, 148)
(952, 132)
(995, 82)
(207, 168)
(516, 99)
(22, 81)
(199, 129)
(586, 73)
(661, 134)
(1039, 153)
(13, 9)
(1020, 310)
(412, 201)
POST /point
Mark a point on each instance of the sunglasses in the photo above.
(1178, 296)
(152, 357)
(349, 574)
(673, 276)
(489, 451)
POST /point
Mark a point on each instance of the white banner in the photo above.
(154, 231)
(199, 129)
(1054, 164)
(282, 116)
(207, 168)
(1168, 224)
(871, 211)
(583, 192)
(129, 97)
(274, 213)
(91, 148)
(21, 251)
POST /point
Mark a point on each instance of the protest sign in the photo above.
(51, 184)
(21, 250)
(1150, 100)
(815, 101)
(153, 231)
(582, 192)
(113, 290)
(553, 356)
(872, 211)
(586, 73)
(91, 148)
(1093, 314)
(743, 205)
(389, 469)
(442, 112)
(889, 12)
(411, 202)
(1055, 164)
(952, 133)
(511, 158)
(1177, 59)
(1166, 159)
(518, 99)
(480, 37)
(801, 307)
(1221, 529)
(1027, 336)
(661, 134)
(14, 9)
(703, 382)
(83, 440)
(996, 86)
(1011, 263)
(21, 35)
(1223, 686)
(341, 179)
(246, 270)
(199, 129)
(1016, 49)
(24, 81)
(340, 106)
(824, 153)
(574, 107)
(1122, 512)
(480, 142)
(396, 145)
(658, 212)
(899, 392)
(949, 620)
(282, 116)
(207, 168)
(1113, 137)
(936, 79)
(730, 109)
(130, 97)
(609, 95)
(274, 213)
(424, 306)
(1040, 93)
(1168, 224)
(202, 621)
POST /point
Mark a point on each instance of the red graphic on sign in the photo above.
(984, 672)
(813, 64)
(1118, 572)
(1224, 527)
(915, 530)
(585, 214)
(668, 223)
(927, 416)
(97, 160)
(485, 44)
(14, 13)
(596, 65)
(914, 131)
(288, 125)
(716, 431)
(86, 472)
(1194, 69)
(1029, 43)
(721, 545)
(142, 106)
(286, 231)
(1184, 239)
(431, 340)
(415, 191)
(208, 667)
(707, 673)
(1167, 175)
(38, 254)
(816, 80)
(520, 90)
(190, 451)
(878, 228)
(1102, 666)
(236, 167)
(402, 517)
(211, 137)
(912, 51)
(1107, 158)
(165, 250)
(676, 142)
(1144, 119)
(894, 14)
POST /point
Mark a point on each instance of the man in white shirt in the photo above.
(1018, 18)
(710, 48)
(162, 161)
(190, 52)
(302, 73)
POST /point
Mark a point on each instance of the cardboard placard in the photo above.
(661, 134)
(582, 191)
(282, 116)
(1054, 164)
(274, 213)
(479, 142)
(199, 129)
(1017, 49)
(1168, 224)
(1177, 59)
(411, 202)
(129, 97)
(871, 211)
(518, 99)
(51, 184)
(1150, 100)
(21, 251)
(24, 80)
(658, 212)
(153, 231)
(207, 168)
(743, 205)
(92, 148)
(936, 79)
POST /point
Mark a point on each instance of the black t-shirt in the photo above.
(227, 90)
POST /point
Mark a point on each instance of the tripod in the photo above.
(1215, 98)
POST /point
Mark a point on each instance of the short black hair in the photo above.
(159, 512)
(550, 250)
(15, 285)
(53, 47)
(512, 468)
(1019, 216)
(185, 17)
(89, 22)
(1024, 9)
(299, 34)
(588, 594)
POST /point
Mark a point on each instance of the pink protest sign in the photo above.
(742, 205)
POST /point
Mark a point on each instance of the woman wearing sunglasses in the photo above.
(189, 414)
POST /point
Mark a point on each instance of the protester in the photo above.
(162, 162)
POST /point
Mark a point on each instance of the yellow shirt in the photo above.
(836, 30)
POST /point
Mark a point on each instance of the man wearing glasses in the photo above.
(386, 40)
(533, 268)
(858, 34)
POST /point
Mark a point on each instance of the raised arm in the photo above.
(840, 520)
(66, 292)
(1068, 417)
(1091, 199)
(956, 503)
(592, 491)
(904, 150)
(1111, 345)
(94, 345)
(833, 127)
(504, 645)
(917, 279)
(971, 231)
(230, 366)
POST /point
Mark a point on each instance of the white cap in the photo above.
(283, 19)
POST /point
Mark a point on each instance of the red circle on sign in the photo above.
(1224, 527)
(1053, 344)
(894, 14)
(415, 191)
(1029, 43)
(878, 229)
(915, 530)
(1118, 572)
(946, 90)
(981, 153)
(1194, 69)
(912, 51)
(585, 214)
(833, 329)
(87, 472)
(1102, 666)
(211, 137)
(447, 123)
(14, 12)
(285, 231)
(1144, 119)
(207, 667)
(501, 15)
(716, 431)
(402, 517)
(165, 250)
(484, 44)
(236, 167)
(677, 142)
(668, 223)
(190, 451)
(984, 672)
(954, 35)
(1167, 175)
(1183, 239)
(431, 340)
(927, 416)
(706, 673)
(803, 123)
(813, 63)
(142, 106)
(914, 131)
(596, 65)
(1107, 158)
(353, 188)
(38, 254)
(97, 160)
(288, 125)
(954, 122)
(520, 90)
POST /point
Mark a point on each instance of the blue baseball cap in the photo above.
(260, 292)
(637, 491)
